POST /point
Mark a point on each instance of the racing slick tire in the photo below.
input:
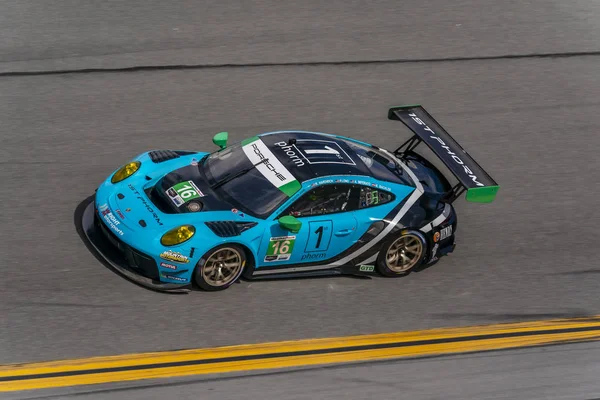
(401, 254)
(220, 267)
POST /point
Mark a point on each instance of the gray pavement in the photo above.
(533, 124)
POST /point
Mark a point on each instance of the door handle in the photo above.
(343, 232)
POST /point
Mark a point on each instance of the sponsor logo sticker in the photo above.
(110, 219)
(446, 232)
(366, 268)
(434, 253)
(313, 256)
(171, 255)
(170, 266)
(174, 277)
(280, 248)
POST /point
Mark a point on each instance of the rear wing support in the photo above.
(472, 178)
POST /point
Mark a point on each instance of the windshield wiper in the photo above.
(228, 177)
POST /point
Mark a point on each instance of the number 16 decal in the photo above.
(319, 236)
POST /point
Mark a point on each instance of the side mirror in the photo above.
(290, 223)
(220, 139)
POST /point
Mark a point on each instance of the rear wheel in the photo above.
(220, 267)
(401, 254)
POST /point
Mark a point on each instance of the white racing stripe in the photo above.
(370, 259)
(440, 218)
(416, 194)
(272, 169)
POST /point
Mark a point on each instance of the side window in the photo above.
(370, 197)
(326, 199)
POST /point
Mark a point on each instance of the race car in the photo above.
(284, 204)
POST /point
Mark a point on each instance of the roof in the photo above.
(309, 155)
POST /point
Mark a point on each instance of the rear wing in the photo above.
(472, 178)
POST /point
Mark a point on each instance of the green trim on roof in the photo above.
(290, 188)
(250, 140)
(485, 194)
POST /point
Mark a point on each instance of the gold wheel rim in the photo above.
(222, 267)
(404, 253)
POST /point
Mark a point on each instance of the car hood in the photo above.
(185, 190)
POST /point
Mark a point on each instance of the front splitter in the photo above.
(116, 260)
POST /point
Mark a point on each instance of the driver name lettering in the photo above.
(267, 164)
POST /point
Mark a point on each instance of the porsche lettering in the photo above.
(267, 164)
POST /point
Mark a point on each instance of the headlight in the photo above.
(177, 235)
(125, 171)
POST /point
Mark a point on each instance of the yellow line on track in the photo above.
(295, 353)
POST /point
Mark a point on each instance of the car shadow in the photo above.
(77, 220)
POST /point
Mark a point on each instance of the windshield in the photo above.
(251, 192)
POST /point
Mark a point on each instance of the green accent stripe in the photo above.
(290, 188)
(249, 140)
(485, 194)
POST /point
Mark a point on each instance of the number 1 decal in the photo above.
(319, 236)
(319, 232)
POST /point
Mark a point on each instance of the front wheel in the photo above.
(220, 267)
(401, 254)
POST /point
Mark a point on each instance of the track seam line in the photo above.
(175, 67)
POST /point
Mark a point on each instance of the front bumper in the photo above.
(131, 263)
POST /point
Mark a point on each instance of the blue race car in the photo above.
(284, 204)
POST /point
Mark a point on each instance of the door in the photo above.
(328, 228)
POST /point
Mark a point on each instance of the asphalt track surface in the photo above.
(516, 82)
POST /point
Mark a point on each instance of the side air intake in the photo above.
(229, 228)
(159, 156)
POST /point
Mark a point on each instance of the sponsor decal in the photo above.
(272, 169)
(313, 256)
(434, 253)
(192, 250)
(436, 237)
(127, 209)
(174, 277)
(315, 151)
(120, 214)
(234, 210)
(366, 268)
(183, 192)
(446, 232)
(145, 203)
(171, 255)
(456, 159)
(170, 266)
(280, 248)
(110, 219)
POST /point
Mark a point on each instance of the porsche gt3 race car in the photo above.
(284, 204)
